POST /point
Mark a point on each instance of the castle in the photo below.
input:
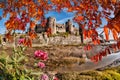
(57, 28)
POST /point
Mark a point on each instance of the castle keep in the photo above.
(57, 28)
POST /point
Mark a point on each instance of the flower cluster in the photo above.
(41, 64)
(44, 77)
(41, 55)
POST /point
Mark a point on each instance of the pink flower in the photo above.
(44, 77)
(41, 65)
(21, 41)
(40, 54)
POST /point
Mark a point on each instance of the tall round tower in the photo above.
(52, 24)
(70, 26)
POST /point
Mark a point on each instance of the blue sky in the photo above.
(2, 26)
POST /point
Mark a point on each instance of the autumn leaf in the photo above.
(32, 35)
(27, 19)
(117, 27)
(70, 9)
(85, 34)
(96, 41)
(90, 33)
(107, 50)
(9, 36)
(27, 42)
(32, 24)
(90, 23)
(78, 18)
(114, 1)
(2, 5)
(88, 47)
(106, 31)
(115, 34)
(82, 6)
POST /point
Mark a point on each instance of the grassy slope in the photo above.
(107, 74)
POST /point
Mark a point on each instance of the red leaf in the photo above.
(88, 47)
(106, 30)
(78, 18)
(107, 50)
(115, 34)
(32, 24)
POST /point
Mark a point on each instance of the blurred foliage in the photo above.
(107, 74)
(12, 67)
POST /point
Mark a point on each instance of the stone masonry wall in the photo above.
(58, 40)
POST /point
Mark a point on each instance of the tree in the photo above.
(81, 34)
(88, 13)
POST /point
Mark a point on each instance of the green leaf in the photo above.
(22, 77)
(3, 60)
(21, 59)
(36, 73)
(28, 78)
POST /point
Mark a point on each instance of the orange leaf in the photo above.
(115, 34)
(32, 34)
(79, 18)
(96, 41)
(27, 42)
(88, 47)
(8, 36)
(70, 9)
(106, 31)
(114, 1)
(90, 33)
(85, 32)
(117, 27)
(2, 5)
(32, 24)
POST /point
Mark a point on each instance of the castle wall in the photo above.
(60, 40)
(60, 28)
(51, 22)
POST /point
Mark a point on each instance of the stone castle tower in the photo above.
(51, 22)
(69, 26)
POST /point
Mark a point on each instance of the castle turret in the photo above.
(69, 26)
(52, 24)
